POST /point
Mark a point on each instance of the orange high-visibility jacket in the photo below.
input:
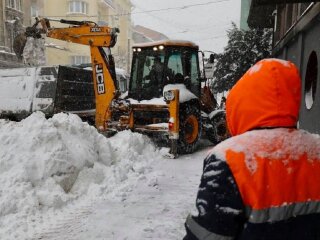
(264, 182)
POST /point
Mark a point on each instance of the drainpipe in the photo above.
(4, 23)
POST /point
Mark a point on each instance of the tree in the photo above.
(244, 49)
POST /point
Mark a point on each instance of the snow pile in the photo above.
(46, 164)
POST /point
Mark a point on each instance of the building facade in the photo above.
(115, 13)
(32, 9)
(245, 7)
(11, 19)
(296, 38)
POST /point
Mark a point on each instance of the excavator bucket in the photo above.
(29, 45)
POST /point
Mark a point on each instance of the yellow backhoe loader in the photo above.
(168, 98)
(165, 99)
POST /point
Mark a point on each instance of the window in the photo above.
(311, 78)
(34, 10)
(175, 63)
(80, 59)
(194, 75)
(122, 82)
(78, 7)
(15, 4)
(144, 74)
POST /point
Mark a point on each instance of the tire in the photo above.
(219, 131)
(190, 128)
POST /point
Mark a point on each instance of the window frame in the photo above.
(80, 59)
(14, 4)
(78, 7)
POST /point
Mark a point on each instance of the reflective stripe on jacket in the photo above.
(278, 174)
(244, 196)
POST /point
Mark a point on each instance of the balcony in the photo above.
(110, 3)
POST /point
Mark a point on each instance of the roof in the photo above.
(180, 43)
(260, 14)
(261, 11)
(261, 2)
(148, 34)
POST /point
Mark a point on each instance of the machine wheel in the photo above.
(218, 132)
(190, 129)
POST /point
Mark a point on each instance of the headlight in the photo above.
(168, 95)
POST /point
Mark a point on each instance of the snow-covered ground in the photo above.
(61, 179)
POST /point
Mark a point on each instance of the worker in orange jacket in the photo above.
(264, 181)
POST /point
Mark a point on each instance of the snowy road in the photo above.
(61, 180)
(152, 210)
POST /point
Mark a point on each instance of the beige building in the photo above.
(32, 9)
(115, 13)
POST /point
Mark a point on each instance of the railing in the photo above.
(109, 2)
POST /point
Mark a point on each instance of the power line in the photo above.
(204, 28)
(211, 38)
(182, 7)
(157, 10)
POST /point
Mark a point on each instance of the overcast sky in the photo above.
(203, 21)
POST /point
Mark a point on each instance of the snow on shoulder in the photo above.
(290, 145)
(255, 68)
(49, 163)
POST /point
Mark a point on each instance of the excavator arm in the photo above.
(100, 39)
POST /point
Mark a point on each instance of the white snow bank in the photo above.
(46, 164)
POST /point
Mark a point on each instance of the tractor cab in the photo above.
(157, 64)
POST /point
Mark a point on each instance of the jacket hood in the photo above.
(268, 95)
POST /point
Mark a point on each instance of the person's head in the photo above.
(268, 95)
(157, 59)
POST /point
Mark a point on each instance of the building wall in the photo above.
(287, 16)
(303, 49)
(122, 20)
(100, 11)
(2, 22)
(11, 18)
(32, 9)
(245, 7)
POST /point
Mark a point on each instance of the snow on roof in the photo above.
(167, 43)
(184, 95)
